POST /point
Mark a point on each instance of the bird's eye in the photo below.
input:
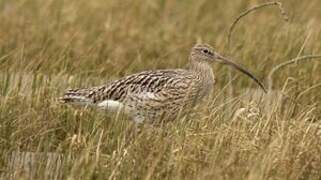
(205, 51)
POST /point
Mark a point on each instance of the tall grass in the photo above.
(48, 46)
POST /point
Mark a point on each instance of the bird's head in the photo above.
(204, 53)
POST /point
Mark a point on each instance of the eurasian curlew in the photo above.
(160, 94)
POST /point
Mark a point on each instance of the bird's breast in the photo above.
(207, 84)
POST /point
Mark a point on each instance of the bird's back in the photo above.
(148, 93)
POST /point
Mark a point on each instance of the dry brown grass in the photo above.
(48, 46)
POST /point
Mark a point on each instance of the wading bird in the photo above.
(160, 94)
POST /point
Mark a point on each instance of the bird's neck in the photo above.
(201, 68)
(205, 72)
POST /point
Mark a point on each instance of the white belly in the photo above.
(116, 106)
(110, 105)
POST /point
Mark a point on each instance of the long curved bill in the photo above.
(240, 68)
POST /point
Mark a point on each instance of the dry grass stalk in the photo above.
(252, 9)
(284, 64)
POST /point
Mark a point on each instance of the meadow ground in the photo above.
(49, 46)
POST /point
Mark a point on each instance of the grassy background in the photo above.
(48, 46)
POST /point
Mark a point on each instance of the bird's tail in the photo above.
(77, 96)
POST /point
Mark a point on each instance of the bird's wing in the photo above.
(149, 85)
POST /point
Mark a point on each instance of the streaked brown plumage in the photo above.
(152, 95)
